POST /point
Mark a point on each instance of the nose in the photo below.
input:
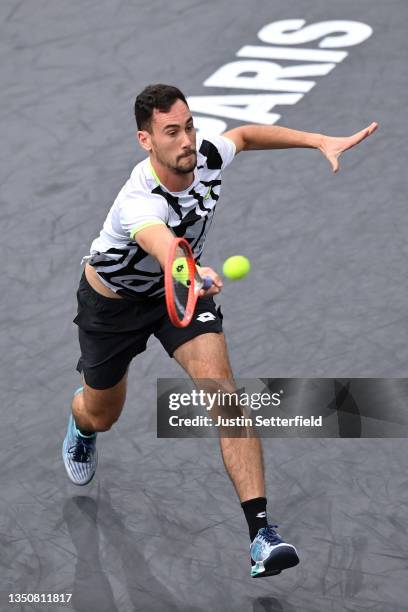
(186, 141)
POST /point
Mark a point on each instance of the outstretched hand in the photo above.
(333, 147)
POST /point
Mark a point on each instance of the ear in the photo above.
(145, 140)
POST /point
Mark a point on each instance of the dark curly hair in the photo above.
(159, 96)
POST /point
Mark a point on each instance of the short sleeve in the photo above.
(219, 151)
(138, 210)
(227, 150)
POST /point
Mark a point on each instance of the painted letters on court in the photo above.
(258, 72)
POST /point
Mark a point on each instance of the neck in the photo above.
(170, 179)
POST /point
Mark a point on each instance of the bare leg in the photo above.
(97, 410)
(243, 462)
(206, 356)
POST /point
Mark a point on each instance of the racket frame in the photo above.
(193, 287)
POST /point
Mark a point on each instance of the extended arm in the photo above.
(256, 137)
(156, 241)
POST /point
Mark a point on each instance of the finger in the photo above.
(373, 126)
(205, 271)
(362, 134)
(216, 278)
(334, 164)
(213, 290)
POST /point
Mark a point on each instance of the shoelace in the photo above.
(269, 535)
(81, 450)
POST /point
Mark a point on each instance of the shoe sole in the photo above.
(284, 558)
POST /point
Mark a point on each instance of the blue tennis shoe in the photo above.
(79, 454)
(270, 554)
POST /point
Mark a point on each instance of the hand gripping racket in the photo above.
(182, 283)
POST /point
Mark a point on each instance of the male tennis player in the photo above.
(174, 191)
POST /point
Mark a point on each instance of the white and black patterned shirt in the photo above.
(122, 265)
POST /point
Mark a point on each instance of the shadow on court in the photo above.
(89, 521)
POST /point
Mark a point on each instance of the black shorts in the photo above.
(112, 331)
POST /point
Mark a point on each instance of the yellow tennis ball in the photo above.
(236, 267)
(180, 270)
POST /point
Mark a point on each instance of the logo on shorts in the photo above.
(206, 316)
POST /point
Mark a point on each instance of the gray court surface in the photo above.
(160, 527)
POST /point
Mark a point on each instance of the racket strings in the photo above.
(182, 282)
(180, 298)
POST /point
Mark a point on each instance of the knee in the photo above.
(103, 422)
(103, 419)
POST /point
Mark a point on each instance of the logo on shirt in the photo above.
(204, 317)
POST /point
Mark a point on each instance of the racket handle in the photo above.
(207, 282)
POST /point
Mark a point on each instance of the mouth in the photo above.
(187, 155)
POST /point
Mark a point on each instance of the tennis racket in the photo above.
(182, 283)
